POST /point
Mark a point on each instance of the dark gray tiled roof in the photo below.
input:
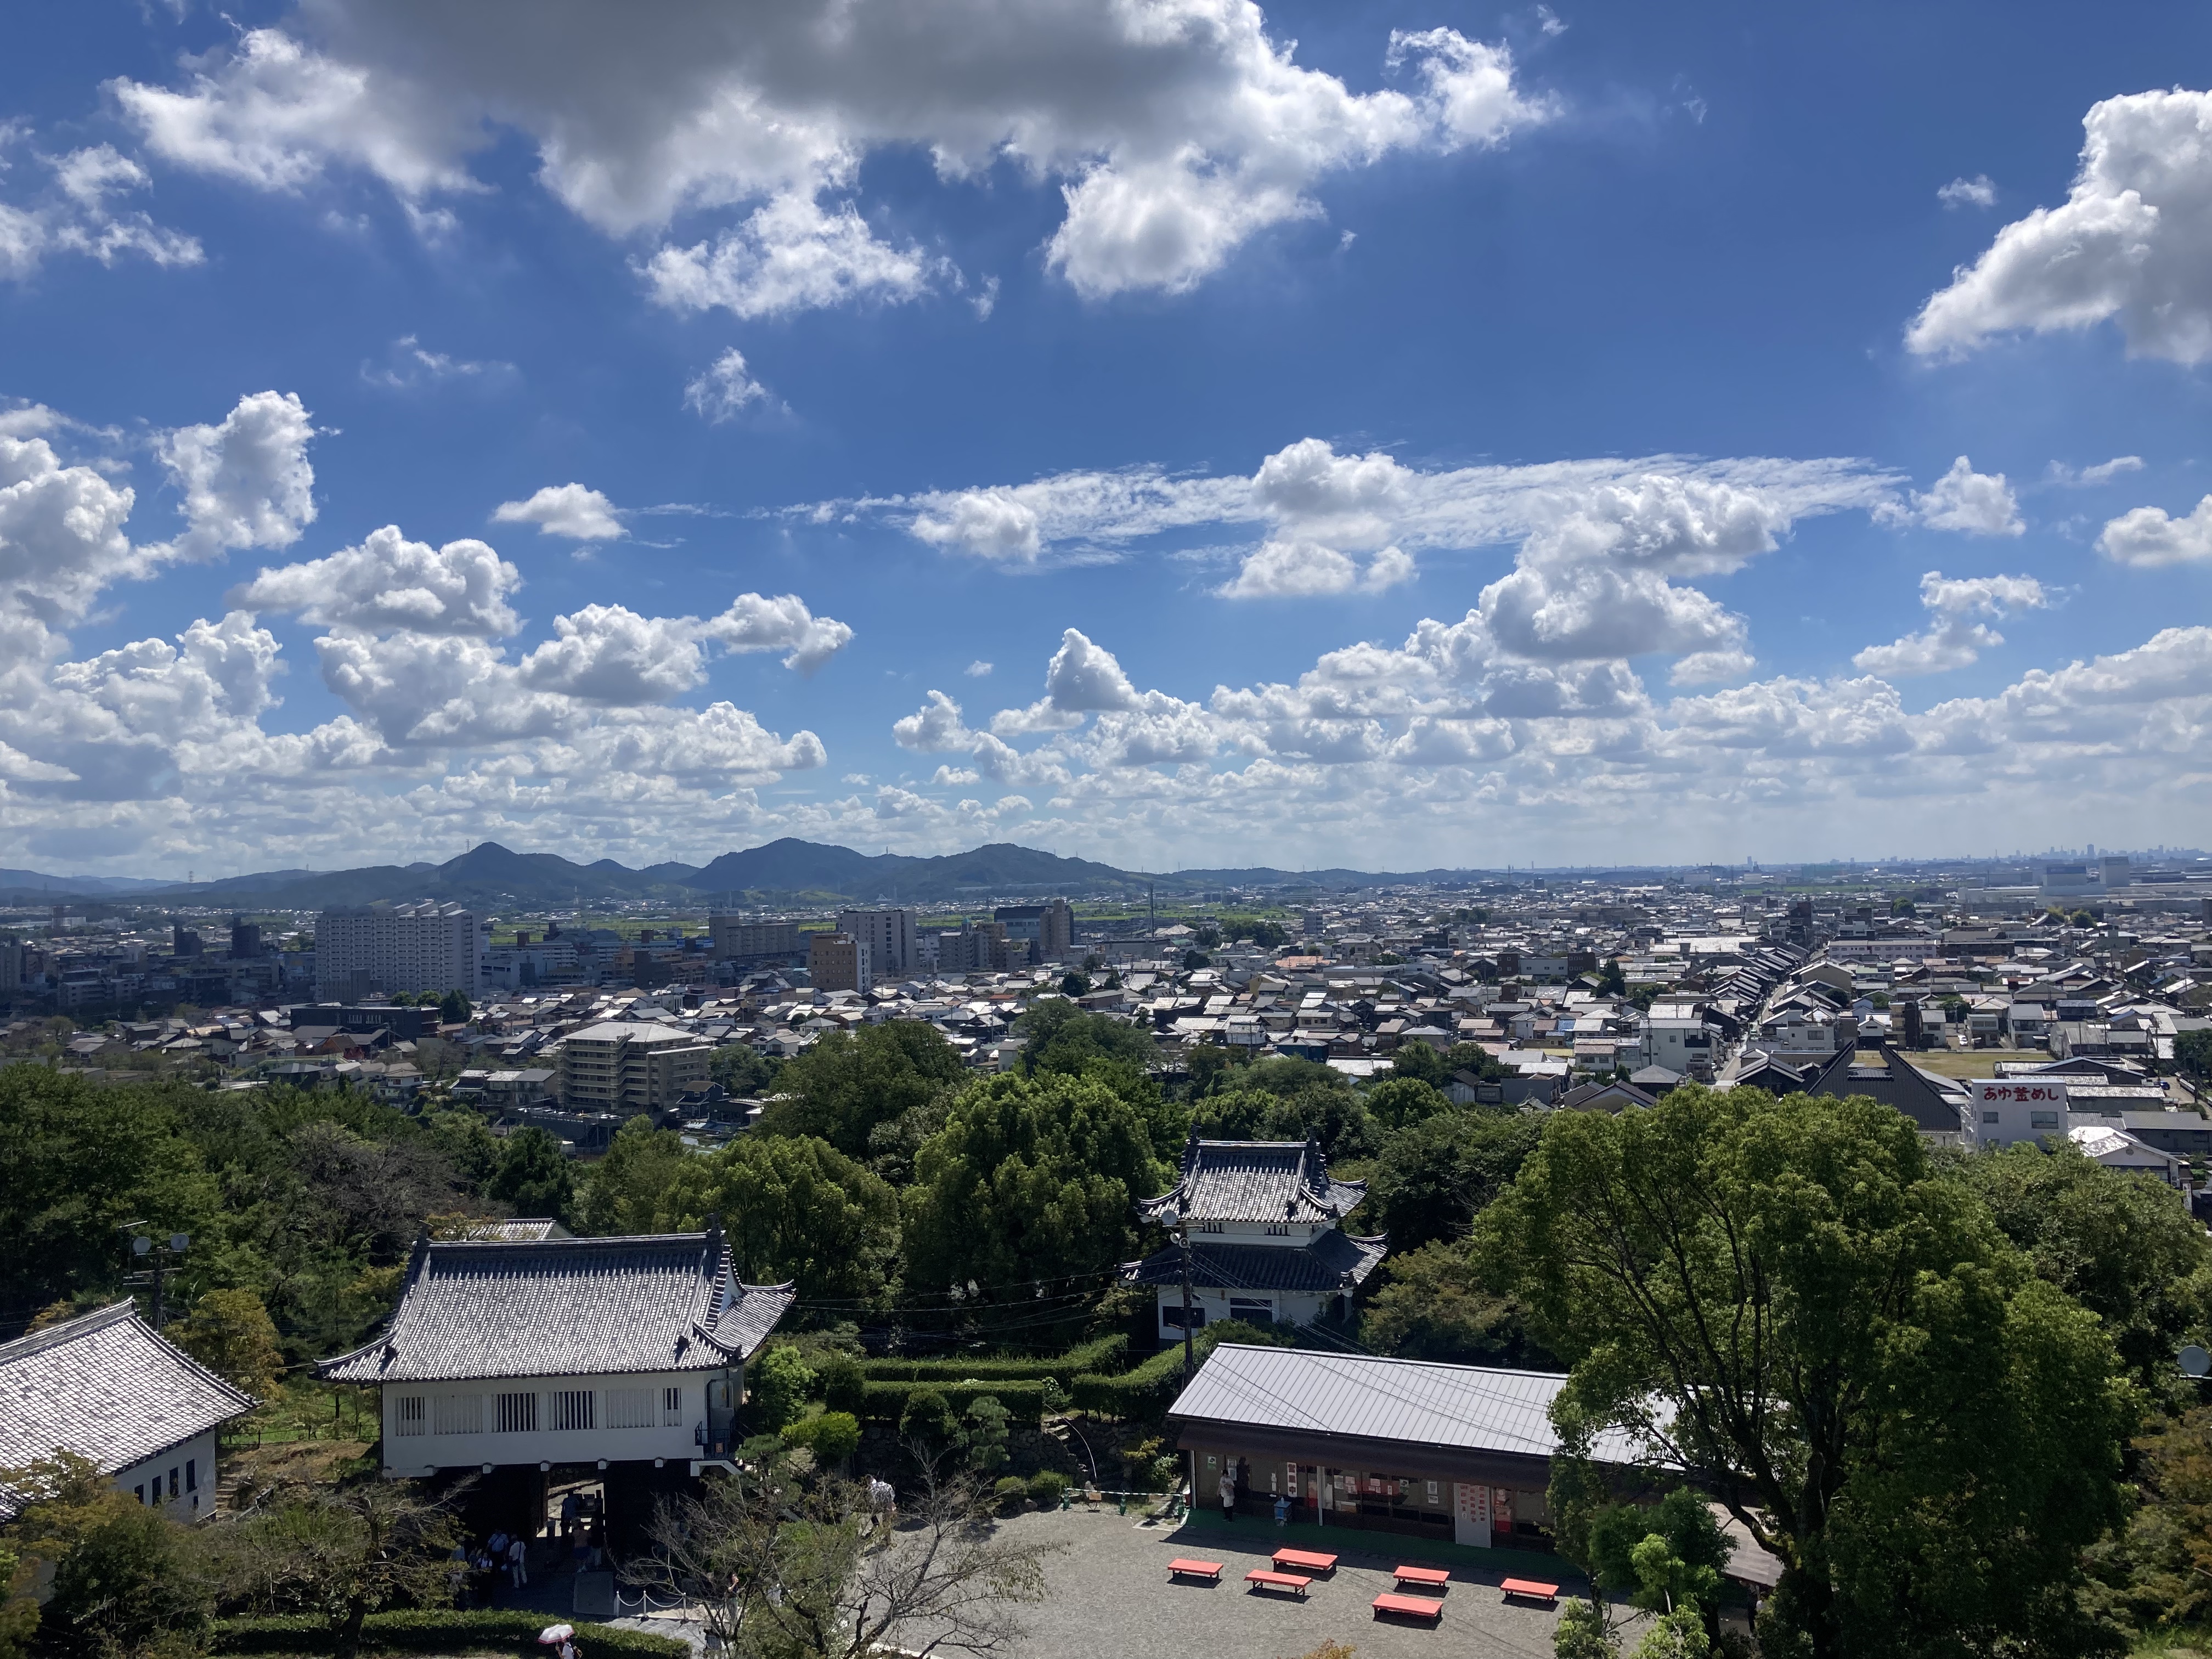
(566, 1307)
(106, 1387)
(1270, 1181)
(1472, 1407)
(1334, 1261)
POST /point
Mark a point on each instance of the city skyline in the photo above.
(1465, 437)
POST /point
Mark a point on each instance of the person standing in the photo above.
(1227, 1489)
(518, 1562)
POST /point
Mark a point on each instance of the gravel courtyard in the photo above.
(1109, 1597)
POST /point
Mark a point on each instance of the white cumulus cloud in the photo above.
(2131, 244)
(1973, 503)
(2148, 537)
(1956, 636)
(1175, 130)
(246, 481)
(388, 582)
(568, 509)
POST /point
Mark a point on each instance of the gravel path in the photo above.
(1108, 1597)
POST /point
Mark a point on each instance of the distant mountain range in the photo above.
(492, 876)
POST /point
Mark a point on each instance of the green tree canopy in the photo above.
(1397, 1101)
(848, 1083)
(779, 1382)
(1781, 1300)
(231, 1334)
(793, 1207)
(535, 1176)
(1031, 1178)
(1284, 1098)
(2118, 1243)
(742, 1070)
(1430, 1305)
(626, 1191)
(80, 1162)
(1431, 1178)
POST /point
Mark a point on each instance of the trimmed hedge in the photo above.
(443, 1630)
(1150, 1388)
(886, 1403)
(1097, 1356)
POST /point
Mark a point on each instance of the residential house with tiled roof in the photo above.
(105, 1386)
(1262, 1219)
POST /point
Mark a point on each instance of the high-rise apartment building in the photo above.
(1050, 927)
(629, 1066)
(838, 962)
(736, 938)
(397, 947)
(888, 935)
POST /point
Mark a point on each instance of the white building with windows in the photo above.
(889, 937)
(105, 1386)
(1261, 1218)
(564, 1352)
(361, 948)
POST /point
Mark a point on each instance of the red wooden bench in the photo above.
(1531, 1590)
(1260, 1578)
(1410, 1606)
(1181, 1567)
(1428, 1578)
(1305, 1560)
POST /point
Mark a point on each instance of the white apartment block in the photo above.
(888, 935)
(398, 947)
(629, 1066)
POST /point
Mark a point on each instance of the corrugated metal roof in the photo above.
(1473, 1407)
(105, 1386)
(566, 1307)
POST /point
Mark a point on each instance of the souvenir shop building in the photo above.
(1457, 1454)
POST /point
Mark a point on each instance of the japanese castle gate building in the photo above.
(1262, 1219)
(625, 1355)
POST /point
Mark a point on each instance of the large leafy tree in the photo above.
(1031, 1178)
(846, 1084)
(79, 1162)
(1431, 1306)
(625, 1190)
(793, 1207)
(2118, 1244)
(535, 1176)
(1780, 1299)
(1432, 1179)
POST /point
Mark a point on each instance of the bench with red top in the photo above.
(1409, 1606)
(1181, 1567)
(1260, 1578)
(1428, 1578)
(1531, 1590)
(1311, 1561)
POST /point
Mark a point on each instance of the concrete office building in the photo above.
(398, 947)
(736, 938)
(888, 935)
(1050, 928)
(838, 962)
(629, 1066)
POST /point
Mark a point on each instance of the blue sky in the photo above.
(1467, 436)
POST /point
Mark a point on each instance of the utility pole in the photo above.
(1189, 1360)
(156, 1254)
